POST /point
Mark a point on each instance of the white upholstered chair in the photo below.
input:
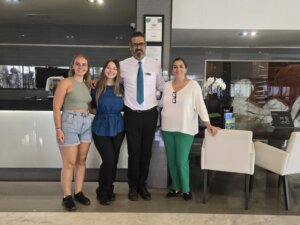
(228, 151)
(280, 162)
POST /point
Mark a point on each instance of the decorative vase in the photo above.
(213, 103)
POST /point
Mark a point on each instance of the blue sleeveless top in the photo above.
(108, 120)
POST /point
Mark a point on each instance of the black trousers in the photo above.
(140, 129)
(109, 150)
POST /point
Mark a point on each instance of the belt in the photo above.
(83, 114)
(139, 111)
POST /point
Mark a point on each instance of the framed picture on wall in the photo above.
(154, 52)
(153, 25)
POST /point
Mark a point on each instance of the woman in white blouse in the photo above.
(182, 102)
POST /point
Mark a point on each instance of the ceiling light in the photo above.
(100, 2)
(248, 34)
(245, 33)
(70, 36)
(13, 1)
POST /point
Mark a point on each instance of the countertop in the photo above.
(26, 103)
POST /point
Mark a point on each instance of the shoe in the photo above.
(111, 194)
(173, 193)
(187, 196)
(144, 193)
(133, 195)
(79, 197)
(103, 199)
(68, 203)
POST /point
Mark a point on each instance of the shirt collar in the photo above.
(136, 61)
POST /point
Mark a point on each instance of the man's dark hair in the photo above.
(137, 34)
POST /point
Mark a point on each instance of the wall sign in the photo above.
(153, 28)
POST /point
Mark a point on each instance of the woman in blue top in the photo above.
(108, 127)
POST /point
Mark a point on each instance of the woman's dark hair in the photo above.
(180, 59)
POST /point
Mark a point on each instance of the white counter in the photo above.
(28, 141)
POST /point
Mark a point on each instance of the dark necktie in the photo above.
(140, 85)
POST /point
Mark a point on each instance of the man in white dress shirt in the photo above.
(140, 118)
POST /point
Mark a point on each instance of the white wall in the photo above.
(236, 14)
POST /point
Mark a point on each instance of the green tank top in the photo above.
(78, 98)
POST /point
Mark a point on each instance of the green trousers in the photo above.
(178, 146)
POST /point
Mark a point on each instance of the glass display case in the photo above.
(258, 87)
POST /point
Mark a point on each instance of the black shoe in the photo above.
(103, 199)
(133, 195)
(111, 194)
(187, 196)
(144, 193)
(79, 197)
(68, 203)
(173, 193)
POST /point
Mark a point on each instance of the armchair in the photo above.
(280, 162)
(228, 151)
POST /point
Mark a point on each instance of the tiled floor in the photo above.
(40, 203)
(226, 195)
(117, 218)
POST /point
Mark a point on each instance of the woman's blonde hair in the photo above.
(87, 75)
(101, 84)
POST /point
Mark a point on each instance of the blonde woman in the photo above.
(73, 129)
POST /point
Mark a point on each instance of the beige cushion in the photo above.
(229, 150)
(277, 160)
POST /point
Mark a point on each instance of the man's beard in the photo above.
(139, 54)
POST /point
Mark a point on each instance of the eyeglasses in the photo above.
(174, 97)
(141, 44)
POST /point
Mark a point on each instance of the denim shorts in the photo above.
(76, 127)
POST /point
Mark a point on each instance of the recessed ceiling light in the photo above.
(245, 33)
(248, 34)
(13, 1)
(100, 2)
(70, 36)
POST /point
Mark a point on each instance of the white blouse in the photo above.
(182, 116)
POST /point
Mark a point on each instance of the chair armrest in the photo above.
(270, 158)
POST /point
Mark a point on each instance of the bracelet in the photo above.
(57, 128)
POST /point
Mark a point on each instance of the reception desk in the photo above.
(29, 151)
(28, 140)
